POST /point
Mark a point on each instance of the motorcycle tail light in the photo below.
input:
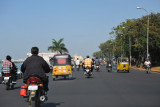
(6, 74)
(33, 80)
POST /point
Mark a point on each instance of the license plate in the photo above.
(87, 70)
(6, 78)
(33, 87)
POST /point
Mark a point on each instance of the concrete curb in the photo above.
(152, 69)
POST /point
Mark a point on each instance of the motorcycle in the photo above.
(87, 72)
(147, 68)
(34, 92)
(109, 67)
(77, 67)
(8, 81)
(97, 67)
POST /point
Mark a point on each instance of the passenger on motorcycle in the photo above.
(88, 62)
(35, 66)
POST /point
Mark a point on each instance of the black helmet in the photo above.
(8, 57)
(34, 50)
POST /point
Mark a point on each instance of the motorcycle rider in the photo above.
(97, 62)
(88, 62)
(9, 67)
(72, 64)
(109, 62)
(6, 65)
(147, 62)
(35, 66)
(78, 63)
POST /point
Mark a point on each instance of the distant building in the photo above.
(47, 56)
(76, 56)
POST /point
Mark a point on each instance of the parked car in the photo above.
(19, 74)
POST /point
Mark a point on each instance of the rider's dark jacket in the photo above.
(35, 65)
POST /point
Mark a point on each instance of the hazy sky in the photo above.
(83, 24)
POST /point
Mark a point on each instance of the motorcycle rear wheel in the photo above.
(148, 71)
(97, 69)
(12, 86)
(34, 103)
(7, 86)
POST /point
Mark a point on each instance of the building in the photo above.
(47, 56)
(77, 56)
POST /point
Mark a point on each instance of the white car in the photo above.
(19, 74)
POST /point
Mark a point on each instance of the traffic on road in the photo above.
(100, 85)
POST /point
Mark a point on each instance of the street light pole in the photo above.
(129, 47)
(121, 46)
(147, 28)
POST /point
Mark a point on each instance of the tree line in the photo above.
(131, 36)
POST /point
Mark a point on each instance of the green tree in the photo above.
(135, 30)
(98, 54)
(58, 46)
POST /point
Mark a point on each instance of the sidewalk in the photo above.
(153, 69)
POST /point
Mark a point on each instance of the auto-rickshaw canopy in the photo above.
(123, 59)
(61, 60)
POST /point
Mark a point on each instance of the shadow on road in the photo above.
(61, 79)
(123, 72)
(51, 104)
(89, 77)
(14, 88)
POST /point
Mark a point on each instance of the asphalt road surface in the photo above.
(103, 89)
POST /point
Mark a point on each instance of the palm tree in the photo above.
(58, 46)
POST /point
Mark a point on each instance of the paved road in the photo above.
(104, 89)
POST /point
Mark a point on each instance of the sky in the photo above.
(84, 24)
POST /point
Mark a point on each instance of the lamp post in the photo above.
(121, 45)
(129, 47)
(147, 28)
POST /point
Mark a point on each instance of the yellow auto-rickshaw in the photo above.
(122, 64)
(62, 66)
